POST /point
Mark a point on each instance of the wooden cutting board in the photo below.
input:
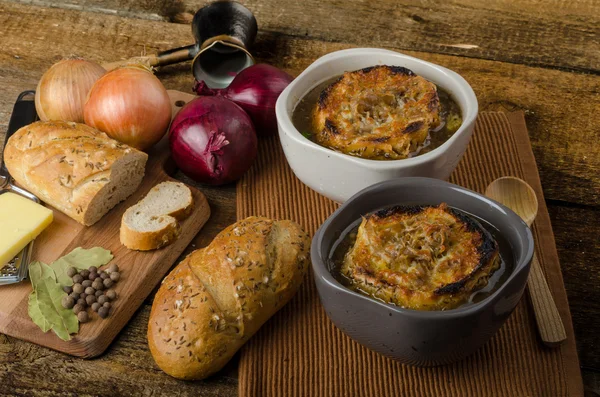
(140, 271)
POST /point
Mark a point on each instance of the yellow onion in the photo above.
(63, 89)
(131, 105)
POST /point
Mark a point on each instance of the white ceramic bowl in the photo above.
(339, 176)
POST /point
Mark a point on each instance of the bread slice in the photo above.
(154, 222)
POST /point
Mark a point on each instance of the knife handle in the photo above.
(23, 114)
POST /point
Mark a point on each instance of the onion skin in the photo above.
(213, 140)
(63, 89)
(255, 89)
(131, 105)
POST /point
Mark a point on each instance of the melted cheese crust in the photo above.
(381, 112)
(423, 258)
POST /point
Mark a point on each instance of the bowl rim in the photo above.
(469, 108)
(521, 264)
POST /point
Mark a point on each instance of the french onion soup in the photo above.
(422, 257)
(379, 113)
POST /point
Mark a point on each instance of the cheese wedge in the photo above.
(21, 220)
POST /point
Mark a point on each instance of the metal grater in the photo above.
(23, 114)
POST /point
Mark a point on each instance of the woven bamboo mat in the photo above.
(299, 352)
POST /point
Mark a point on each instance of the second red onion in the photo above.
(256, 90)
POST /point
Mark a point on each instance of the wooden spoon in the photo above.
(517, 195)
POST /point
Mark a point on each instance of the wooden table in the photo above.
(542, 58)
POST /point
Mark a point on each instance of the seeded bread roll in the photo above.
(76, 169)
(219, 296)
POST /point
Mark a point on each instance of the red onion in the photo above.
(213, 140)
(256, 90)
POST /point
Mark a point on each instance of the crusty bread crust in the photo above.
(421, 257)
(76, 169)
(219, 296)
(380, 112)
(146, 241)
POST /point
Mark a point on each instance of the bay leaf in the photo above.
(36, 314)
(45, 306)
(62, 321)
(39, 271)
(80, 259)
(68, 318)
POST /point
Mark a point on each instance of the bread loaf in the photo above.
(76, 169)
(219, 296)
(154, 221)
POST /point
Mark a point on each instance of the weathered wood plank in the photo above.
(561, 107)
(576, 232)
(591, 382)
(134, 9)
(557, 33)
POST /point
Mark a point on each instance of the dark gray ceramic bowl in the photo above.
(411, 336)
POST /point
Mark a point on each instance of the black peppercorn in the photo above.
(83, 317)
(98, 285)
(108, 283)
(90, 299)
(103, 312)
(68, 302)
(71, 271)
(78, 288)
(111, 294)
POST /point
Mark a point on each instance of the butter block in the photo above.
(21, 220)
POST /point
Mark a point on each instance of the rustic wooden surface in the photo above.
(540, 57)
